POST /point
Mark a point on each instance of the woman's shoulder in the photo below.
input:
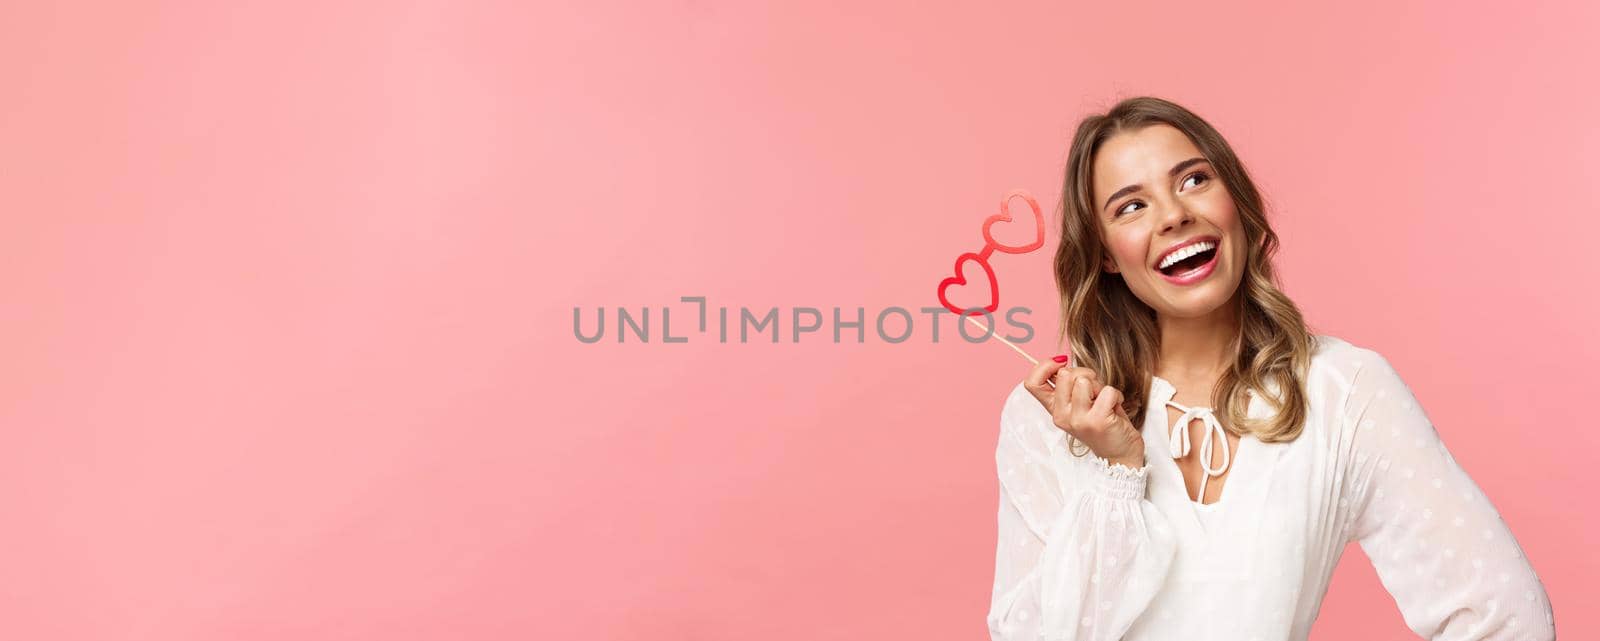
(1338, 358)
(1348, 379)
(1329, 347)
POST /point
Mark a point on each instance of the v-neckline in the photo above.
(1234, 455)
(1242, 465)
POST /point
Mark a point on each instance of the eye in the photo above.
(1199, 174)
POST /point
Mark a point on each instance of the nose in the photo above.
(1175, 217)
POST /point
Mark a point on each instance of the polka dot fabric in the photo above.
(1088, 550)
(1438, 545)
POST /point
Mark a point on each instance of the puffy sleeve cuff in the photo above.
(1118, 481)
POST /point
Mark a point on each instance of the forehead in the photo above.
(1140, 156)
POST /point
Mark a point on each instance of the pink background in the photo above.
(287, 296)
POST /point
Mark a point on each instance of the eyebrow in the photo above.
(1176, 169)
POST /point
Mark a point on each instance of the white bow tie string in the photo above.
(1178, 441)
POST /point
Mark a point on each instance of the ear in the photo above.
(1110, 266)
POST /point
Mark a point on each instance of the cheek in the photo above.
(1127, 249)
(1220, 210)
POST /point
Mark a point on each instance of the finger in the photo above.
(1066, 374)
(1095, 384)
(1080, 397)
(1122, 411)
(1066, 377)
(1061, 395)
(1037, 381)
(1106, 406)
(1062, 382)
(1094, 378)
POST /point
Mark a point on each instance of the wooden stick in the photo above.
(997, 337)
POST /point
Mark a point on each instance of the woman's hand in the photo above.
(1088, 410)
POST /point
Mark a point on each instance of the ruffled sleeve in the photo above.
(1081, 551)
(1438, 545)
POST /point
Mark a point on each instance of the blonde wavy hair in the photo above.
(1114, 333)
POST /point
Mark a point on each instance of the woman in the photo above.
(1212, 499)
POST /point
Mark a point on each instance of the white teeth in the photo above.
(1186, 252)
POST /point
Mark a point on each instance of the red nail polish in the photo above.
(1060, 359)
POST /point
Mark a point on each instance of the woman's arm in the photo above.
(1081, 551)
(1437, 543)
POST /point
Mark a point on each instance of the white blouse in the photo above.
(1088, 550)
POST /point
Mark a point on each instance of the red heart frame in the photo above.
(1005, 216)
(958, 279)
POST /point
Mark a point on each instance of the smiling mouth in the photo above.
(1190, 263)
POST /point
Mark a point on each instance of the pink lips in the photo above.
(1197, 274)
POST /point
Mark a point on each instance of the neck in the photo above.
(1200, 348)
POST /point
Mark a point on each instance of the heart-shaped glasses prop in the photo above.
(981, 259)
